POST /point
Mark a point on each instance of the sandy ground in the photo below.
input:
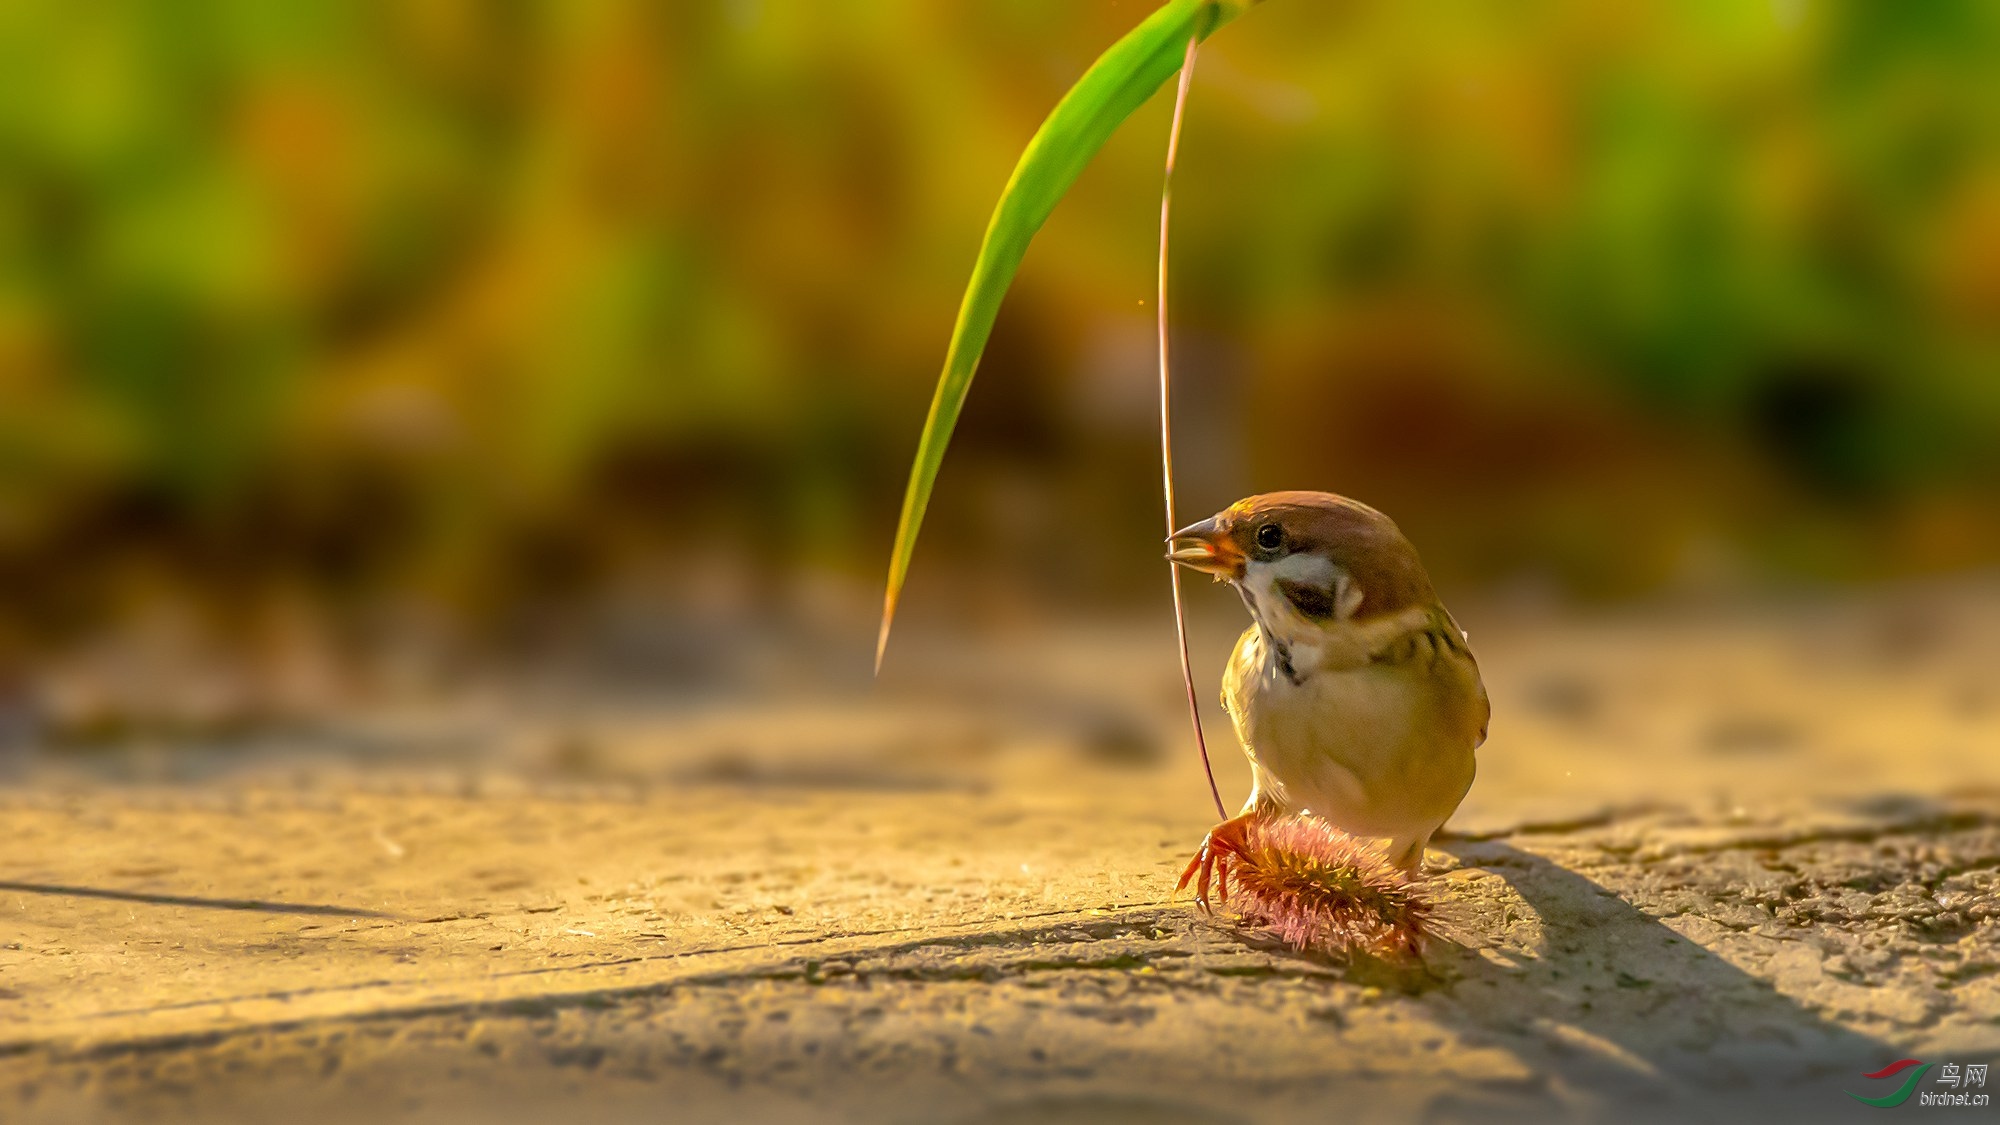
(1718, 865)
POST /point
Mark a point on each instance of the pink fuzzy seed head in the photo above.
(1320, 889)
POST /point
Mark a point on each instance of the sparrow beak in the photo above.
(1204, 547)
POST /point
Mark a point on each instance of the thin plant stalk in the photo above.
(1167, 424)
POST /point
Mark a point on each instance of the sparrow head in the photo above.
(1322, 557)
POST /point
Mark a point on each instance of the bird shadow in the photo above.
(265, 906)
(1616, 1012)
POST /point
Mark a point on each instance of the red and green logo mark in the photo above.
(1914, 1066)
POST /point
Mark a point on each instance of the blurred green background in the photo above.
(461, 316)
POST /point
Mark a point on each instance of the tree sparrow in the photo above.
(1353, 692)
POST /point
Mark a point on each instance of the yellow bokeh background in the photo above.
(491, 308)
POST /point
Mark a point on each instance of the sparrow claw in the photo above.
(1199, 865)
(1210, 865)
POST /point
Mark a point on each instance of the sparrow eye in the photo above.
(1270, 537)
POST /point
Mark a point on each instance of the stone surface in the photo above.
(1712, 869)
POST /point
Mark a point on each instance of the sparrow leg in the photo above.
(1211, 861)
(1408, 855)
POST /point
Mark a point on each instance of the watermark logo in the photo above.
(1956, 1078)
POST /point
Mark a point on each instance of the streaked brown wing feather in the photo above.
(1439, 638)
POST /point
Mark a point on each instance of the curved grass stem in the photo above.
(1167, 425)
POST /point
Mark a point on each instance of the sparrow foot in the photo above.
(1210, 864)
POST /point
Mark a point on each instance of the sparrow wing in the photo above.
(1484, 706)
(1440, 645)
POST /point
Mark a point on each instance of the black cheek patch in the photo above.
(1315, 603)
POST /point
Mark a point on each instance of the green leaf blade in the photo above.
(1119, 82)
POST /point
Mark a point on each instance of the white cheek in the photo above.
(1262, 587)
(1261, 580)
(1313, 570)
(1347, 597)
